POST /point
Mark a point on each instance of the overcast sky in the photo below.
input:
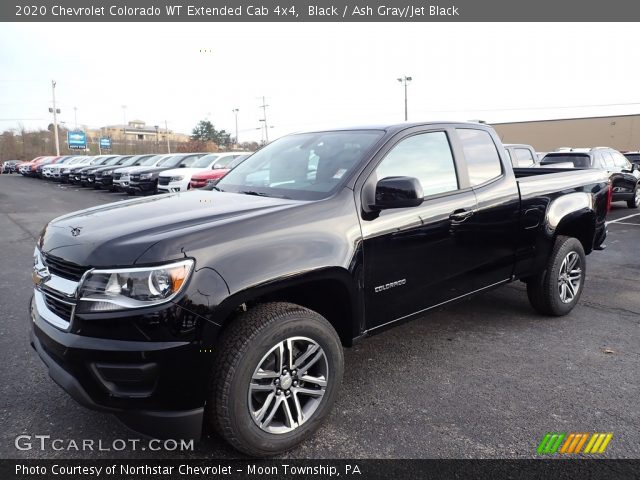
(314, 74)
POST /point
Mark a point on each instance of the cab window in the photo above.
(425, 156)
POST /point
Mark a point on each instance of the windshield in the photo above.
(224, 162)
(114, 161)
(169, 161)
(189, 161)
(633, 157)
(306, 166)
(100, 161)
(205, 161)
(237, 161)
(579, 161)
(131, 161)
(149, 161)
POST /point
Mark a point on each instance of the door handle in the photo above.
(460, 215)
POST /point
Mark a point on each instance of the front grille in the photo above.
(64, 269)
(63, 309)
(163, 181)
(116, 176)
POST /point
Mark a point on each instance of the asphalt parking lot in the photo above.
(485, 378)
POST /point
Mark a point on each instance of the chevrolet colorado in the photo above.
(230, 307)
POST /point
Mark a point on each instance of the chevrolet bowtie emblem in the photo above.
(40, 274)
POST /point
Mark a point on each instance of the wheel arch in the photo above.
(331, 292)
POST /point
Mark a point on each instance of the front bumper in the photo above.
(142, 186)
(150, 386)
(173, 187)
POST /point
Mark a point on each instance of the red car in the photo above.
(200, 180)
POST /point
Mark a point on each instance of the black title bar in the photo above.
(318, 11)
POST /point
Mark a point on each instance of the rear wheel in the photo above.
(557, 289)
(635, 201)
(276, 377)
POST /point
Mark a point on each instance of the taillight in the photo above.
(609, 197)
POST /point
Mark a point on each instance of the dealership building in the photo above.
(621, 132)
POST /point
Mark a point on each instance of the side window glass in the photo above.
(481, 155)
(619, 160)
(427, 157)
(608, 160)
(513, 164)
(525, 159)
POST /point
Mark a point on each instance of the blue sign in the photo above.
(77, 139)
(105, 143)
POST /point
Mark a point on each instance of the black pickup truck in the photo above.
(230, 307)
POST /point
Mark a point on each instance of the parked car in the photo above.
(75, 173)
(25, 168)
(42, 163)
(521, 155)
(207, 177)
(146, 181)
(625, 177)
(88, 176)
(67, 173)
(52, 170)
(121, 175)
(232, 305)
(10, 166)
(104, 175)
(633, 157)
(177, 180)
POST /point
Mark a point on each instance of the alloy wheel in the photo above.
(288, 385)
(570, 277)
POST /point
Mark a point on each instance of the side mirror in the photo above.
(398, 192)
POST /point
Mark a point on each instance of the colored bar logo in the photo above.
(573, 443)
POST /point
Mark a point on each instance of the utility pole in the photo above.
(75, 117)
(166, 132)
(55, 117)
(235, 111)
(405, 80)
(264, 119)
(124, 127)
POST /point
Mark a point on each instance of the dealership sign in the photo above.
(105, 143)
(77, 139)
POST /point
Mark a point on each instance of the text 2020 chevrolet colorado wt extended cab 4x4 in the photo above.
(231, 306)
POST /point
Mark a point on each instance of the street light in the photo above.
(405, 80)
(235, 111)
(157, 137)
(124, 127)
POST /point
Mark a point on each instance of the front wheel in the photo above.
(635, 201)
(276, 376)
(557, 289)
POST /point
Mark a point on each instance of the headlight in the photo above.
(107, 172)
(177, 179)
(146, 176)
(66, 170)
(118, 289)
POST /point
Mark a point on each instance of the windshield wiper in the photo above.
(261, 194)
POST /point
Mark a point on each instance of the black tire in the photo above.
(545, 290)
(243, 347)
(635, 201)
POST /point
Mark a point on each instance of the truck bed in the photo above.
(536, 181)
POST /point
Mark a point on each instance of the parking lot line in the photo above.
(618, 220)
(627, 223)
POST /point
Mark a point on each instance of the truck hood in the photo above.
(138, 168)
(118, 234)
(187, 172)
